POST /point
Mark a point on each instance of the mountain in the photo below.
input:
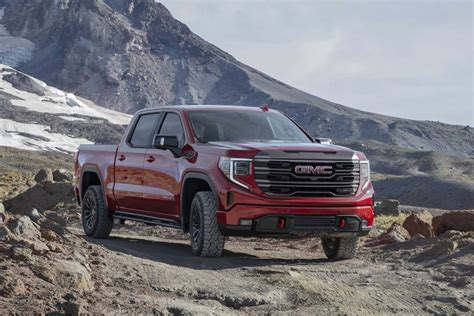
(132, 54)
(35, 116)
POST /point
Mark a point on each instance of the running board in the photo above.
(147, 219)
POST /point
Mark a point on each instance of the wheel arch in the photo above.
(91, 176)
(192, 183)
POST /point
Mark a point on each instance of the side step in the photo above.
(147, 219)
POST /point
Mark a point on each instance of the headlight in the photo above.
(364, 173)
(236, 169)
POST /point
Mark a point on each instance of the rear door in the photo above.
(128, 189)
(161, 184)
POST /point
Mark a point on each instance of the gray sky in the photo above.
(411, 59)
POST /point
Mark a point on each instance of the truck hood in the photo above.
(287, 150)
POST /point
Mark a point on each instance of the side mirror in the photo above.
(165, 142)
(324, 141)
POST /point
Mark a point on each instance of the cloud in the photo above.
(405, 58)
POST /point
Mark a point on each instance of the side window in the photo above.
(172, 126)
(143, 131)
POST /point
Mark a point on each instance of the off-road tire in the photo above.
(101, 224)
(340, 248)
(208, 240)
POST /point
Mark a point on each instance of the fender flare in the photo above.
(194, 175)
(92, 169)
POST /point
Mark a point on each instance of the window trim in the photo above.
(162, 120)
(135, 123)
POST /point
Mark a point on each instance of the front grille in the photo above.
(278, 177)
(314, 222)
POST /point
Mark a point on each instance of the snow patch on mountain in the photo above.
(56, 101)
(36, 137)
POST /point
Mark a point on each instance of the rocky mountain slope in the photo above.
(131, 54)
(35, 116)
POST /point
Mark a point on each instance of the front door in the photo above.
(128, 188)
(161, 167)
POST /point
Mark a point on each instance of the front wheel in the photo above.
(206, 238)
(340, 248)
(96, 219)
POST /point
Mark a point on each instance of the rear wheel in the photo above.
(340, 248)
(206, 238)
(96, 219)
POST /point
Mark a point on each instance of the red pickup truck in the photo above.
(217, 171)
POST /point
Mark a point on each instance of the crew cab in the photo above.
(217, 171)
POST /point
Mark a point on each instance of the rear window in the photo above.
(143, 132)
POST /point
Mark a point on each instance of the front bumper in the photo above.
(272, 221)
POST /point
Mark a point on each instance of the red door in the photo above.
(128, 188)
(161, 172)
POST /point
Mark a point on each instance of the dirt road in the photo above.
(150, 270)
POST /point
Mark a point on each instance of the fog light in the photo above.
(365, 223)
(246, 222)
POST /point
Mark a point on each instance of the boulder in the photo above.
(21, 254)
(395, 234)
(387, 207)
(458, 220)
(10, 285)
(44, 175)
(66, 274)
(24, 228)
(63, 175)
(42, 196)
(419, 223)
(400, 231)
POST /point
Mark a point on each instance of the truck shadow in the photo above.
(180, 255)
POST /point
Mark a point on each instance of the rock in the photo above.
(55, 217)
(10, 285)
(47, 224)
(459, 220)
(73, 308)
(400, 231)
(66, 274)
(44, 175)
(63, 175)
(452, 234)
(38, 248)
(55, 247)
(419, 223)
(395, 234)
(42, 196)
(441, 248)
(387, 207)
(24, 228)
(34, 215)
(2, 213)
(5, 233)
(49, 235)
(21, 254)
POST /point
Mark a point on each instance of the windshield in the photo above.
(209, 126)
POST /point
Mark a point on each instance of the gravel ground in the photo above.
(150, 270)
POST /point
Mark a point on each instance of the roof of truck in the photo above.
(189, 108)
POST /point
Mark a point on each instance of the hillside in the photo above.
(132, 54)
(35, 116)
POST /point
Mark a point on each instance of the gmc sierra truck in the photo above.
(216, 171)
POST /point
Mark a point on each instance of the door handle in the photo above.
(121, 157)
(150, 159)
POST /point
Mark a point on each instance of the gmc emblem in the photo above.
(319, 170)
